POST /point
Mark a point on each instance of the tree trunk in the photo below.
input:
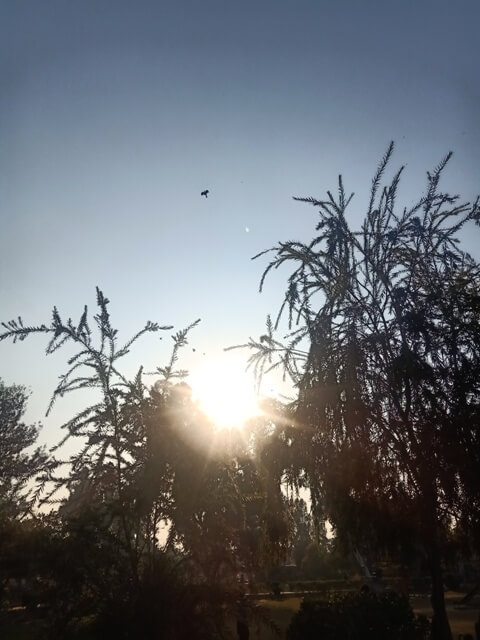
(440, 624)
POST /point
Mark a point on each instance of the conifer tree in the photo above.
(388, 408)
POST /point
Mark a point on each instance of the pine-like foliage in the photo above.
(110, 434)
(145, 458)
(19, 464)
(388, 408)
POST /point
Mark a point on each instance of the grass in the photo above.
(462, 619)
(280, 612)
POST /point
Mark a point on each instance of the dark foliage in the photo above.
(147, 457)
(18, 463)
(386, 424)
(92, 593)
(358, 616)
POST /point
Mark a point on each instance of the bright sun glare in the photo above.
(225, 392)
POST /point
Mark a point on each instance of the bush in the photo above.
(358, 616)
(95, 595)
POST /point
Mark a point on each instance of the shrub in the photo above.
(358, 616)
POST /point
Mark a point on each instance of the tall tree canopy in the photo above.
(387, 416)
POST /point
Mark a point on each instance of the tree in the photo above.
(146, 455)
(387, 415)
(18, 465)
(102, 469)
(303, 529)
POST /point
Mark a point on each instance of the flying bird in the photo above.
(205, 193)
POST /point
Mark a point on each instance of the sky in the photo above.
(115, 115)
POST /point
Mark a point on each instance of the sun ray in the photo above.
(225, 392)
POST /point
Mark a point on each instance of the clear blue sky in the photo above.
(114, 116)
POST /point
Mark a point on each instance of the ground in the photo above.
(280, 611)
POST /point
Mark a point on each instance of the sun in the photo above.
(225, 391)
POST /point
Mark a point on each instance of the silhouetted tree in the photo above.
(145, 456)
(387, 416)
(110, 430)
(304, 530)
(18, 463)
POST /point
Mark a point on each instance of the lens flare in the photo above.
(225, 392)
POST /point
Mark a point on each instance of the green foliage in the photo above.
(358, 616)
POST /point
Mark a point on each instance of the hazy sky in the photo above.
(115, 115)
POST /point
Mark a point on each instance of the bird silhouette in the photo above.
(205, 193)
